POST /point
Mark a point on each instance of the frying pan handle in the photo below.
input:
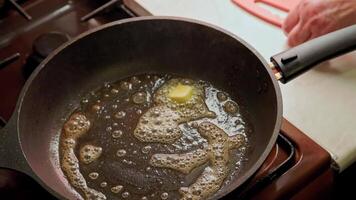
(11, 155)
(295, 61)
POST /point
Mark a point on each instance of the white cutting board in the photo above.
(321, 103)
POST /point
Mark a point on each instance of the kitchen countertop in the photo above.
(321, 103)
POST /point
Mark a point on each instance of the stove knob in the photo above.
(42, 46)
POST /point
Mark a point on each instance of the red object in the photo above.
(252, 7)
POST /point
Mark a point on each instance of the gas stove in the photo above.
(297, 168)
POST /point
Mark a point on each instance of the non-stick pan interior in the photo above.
(138, 46)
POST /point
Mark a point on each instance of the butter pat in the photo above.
(181, 93)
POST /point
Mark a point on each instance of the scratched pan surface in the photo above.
(140, 45)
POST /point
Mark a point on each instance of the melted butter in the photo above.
(90, 153)
(151, 147)
(184, 163)
(160, 123)
(192, 109)
(217, 152)
(77, 126)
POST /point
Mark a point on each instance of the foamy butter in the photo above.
(75, 127)
(219, 145)
(139, 97)
(93, 175)
(89, 153)
(160, 122)
(146, 149)
(121, 152)
(217, 152)
(184, 163)
(192, 109)
(221, 96)
(206, 185)
(231, 107)
(117, 189)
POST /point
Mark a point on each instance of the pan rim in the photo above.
(252, 170)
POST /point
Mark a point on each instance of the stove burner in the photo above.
(9, 60)
(42, 47)
(250, 188)
(48, 42)
(98, 10)
(6, 4)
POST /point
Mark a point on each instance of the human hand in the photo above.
(313, 18)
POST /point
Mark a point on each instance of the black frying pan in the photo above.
(155, 45)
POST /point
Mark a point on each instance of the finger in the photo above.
(299, 34)
(318, 26)
(292, 20)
